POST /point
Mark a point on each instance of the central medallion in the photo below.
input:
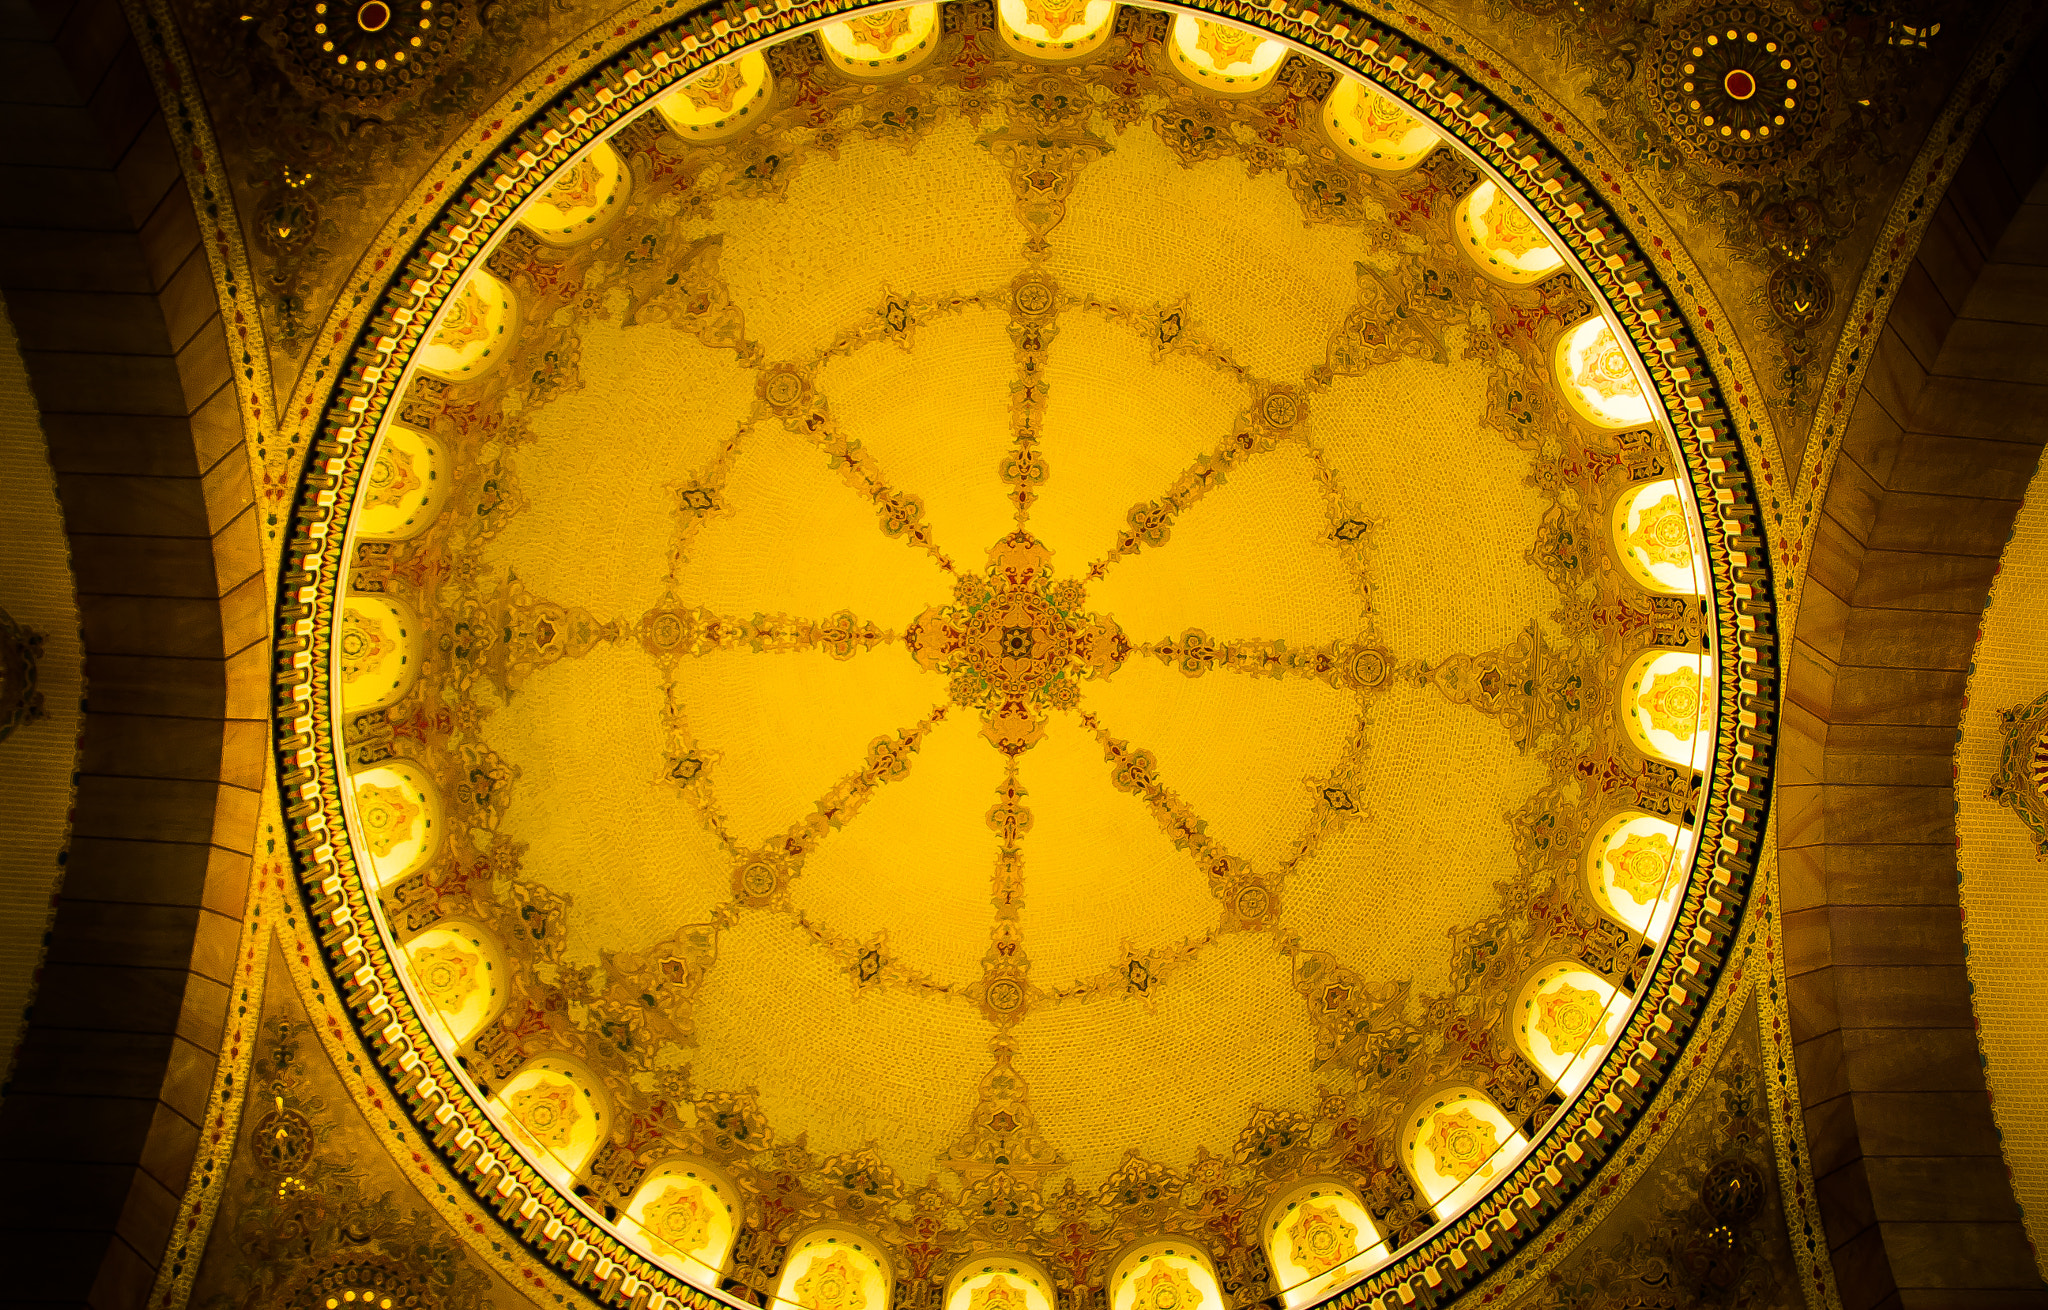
(1016, 644)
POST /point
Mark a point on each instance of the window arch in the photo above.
(882, 43)
(1636, 866)
(1222, 56)
(688, 1214)
(1374, 129)
(1501, 239)
(402, 489)
(1319, 1236)
(1562, 1022)
(458, 969)
(1456, 1145)
(471, 335)
(721, 100)
(835, 1269)
(585, 196)
(1653, 536)
(1165, 1274)
(377, 661)
(399, 816)
(556, 1109)
(1054, 29)
(1666, 706)
(999, 1282)
(1598, 378)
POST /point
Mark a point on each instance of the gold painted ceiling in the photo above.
(987, 616)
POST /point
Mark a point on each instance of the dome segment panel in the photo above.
(882, 43)
(583, 201)
(1654, 536)
(1458, 1145)
(835, 1269)
(1056, 29)
(1223, 56)
(1598, 378)
(472, 333)
(1502, 239)
(721, 101)
(1563, 1021)
(1373, 128)
(1165, 1275)
(403, 490)
(460, 970)
(1320, 1237)
(689, 1213)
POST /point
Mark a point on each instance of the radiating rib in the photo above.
(899, 514)
(671, 631)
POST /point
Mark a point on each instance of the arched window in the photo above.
(1653, 536)
(1456, 1144)
(1598, 378)
(398, 816)
(1563, 1021)
(720, 101)
(999, 1282)
(585, 195)
(1055, 29)
(402, 491)
(1223, 57)
(1374, 129)
(1667, 706)
(688, 1214)
(879, 43)
(1165, 1274)
(556, 1109)
(835, 1269)
(473, 332)
(1319, 1236)
(1636, 866)
(377, 656)
(458, 970)
(1502, 239)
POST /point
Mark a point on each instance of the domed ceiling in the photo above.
(1060, 637)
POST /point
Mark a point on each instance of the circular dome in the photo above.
(1020, 637)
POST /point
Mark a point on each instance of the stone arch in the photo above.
(1943, 437)
(113, 302)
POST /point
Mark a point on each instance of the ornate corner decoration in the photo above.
(2021, 784)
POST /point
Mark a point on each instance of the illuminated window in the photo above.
(398, 815)
(1319, 1237)
(1375, 129)
(1563, 1021)
(402, 489)
(1502, 239)
(721, 100)
(1653, 534)
(1598, 378)
(1221, 57)
(1055, 29)
(687, 1214)
(376, 660)
(999, 1282)
(473, 332)
(1666, 705)
(459, 972)
(882, 43)
(557, 1110)
(1456, 1145)
(835, 1269)
(1167, 1274)
(586, 194)
(1636, 865)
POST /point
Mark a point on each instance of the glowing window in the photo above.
(554, 1107)
(835, 1269)
(1653, 533)
(398, 815)
(1564, 1020)
(1222, 57)
(585, 195)
(1055, 29)
(1667, 706)
(882, 43)
(719, 101)
(473, 332)
(401, 491)
(1457, 1144)
(1636, 864)
(1171, 1274)
(459, 972)
(1319, 1236)
(1375, 129)
(375, 657)
(1502, 239)
(688, 1216)
(999, 1282)
(1598, 380)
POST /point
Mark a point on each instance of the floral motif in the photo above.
(999, 1293)
(832, 1282)
(881, 31)
(1673, 702)
(678, 1218)
(1225, 45)
(577, 189)
(364, 644)
(1166, 1287)
(467, 321)
(447, 974)
(1660, 534)
(1054, 17)
(1380, 120)
(387, 817)
(1514, 233)
(1640, 863)
(1604, 368)
(391, 477)
(717, 88)
(1321, 1239)
(548, 1111)
(1570, 1019)
(1461, 1143)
